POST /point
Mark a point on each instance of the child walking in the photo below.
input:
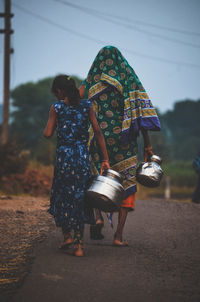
(69, 116)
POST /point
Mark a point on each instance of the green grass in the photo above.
(181, 173)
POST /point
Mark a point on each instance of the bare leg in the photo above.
(67, 238)
(99, 217)
(78, 243)
(95, 230)
(121, 222)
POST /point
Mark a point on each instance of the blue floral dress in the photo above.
(72, 168)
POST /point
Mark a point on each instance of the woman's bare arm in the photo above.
(147, 145)
(51, 124)
(100, 139)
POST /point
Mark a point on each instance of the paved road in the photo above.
(162, 263)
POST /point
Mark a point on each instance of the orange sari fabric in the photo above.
(129, 202)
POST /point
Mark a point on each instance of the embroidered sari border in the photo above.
(96, 89)
(125, 164)
(112, 81)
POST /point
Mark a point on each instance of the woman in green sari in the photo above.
(123, 109)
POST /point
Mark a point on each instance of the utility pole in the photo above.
(7, 51)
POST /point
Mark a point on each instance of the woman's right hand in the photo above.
(104, 166)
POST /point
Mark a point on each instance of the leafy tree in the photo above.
(32, 102)
(183, 127)
(1, 113)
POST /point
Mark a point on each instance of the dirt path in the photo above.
(23, 222)
(162, 263)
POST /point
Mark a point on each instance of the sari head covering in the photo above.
(110, 68)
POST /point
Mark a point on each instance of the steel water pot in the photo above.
(149, 174)
(106, 192)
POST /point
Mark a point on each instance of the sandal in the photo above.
(95, 231)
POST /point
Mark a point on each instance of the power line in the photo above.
(52, 23)
(106, 17)
(186, 32)
(160, 27)
(178, 63)
(35, 15)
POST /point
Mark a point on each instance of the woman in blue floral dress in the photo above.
(70, 115)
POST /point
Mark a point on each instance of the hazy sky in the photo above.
(159, 38)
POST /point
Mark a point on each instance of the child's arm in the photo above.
(51, 124)
(82, 91)
(100, 139)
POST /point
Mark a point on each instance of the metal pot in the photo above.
(149, 174)
(106, 192)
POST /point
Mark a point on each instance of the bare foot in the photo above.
(66, 243)
(99, 221)
(78, 252)
(119, 243)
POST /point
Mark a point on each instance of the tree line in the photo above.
(178, 140)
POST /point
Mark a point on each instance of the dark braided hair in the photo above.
(68, 87)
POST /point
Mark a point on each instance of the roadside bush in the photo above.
(181, 173)
(44, 151)
(13, 159)
(33, 182)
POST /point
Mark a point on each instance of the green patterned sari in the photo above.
(122, 107)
